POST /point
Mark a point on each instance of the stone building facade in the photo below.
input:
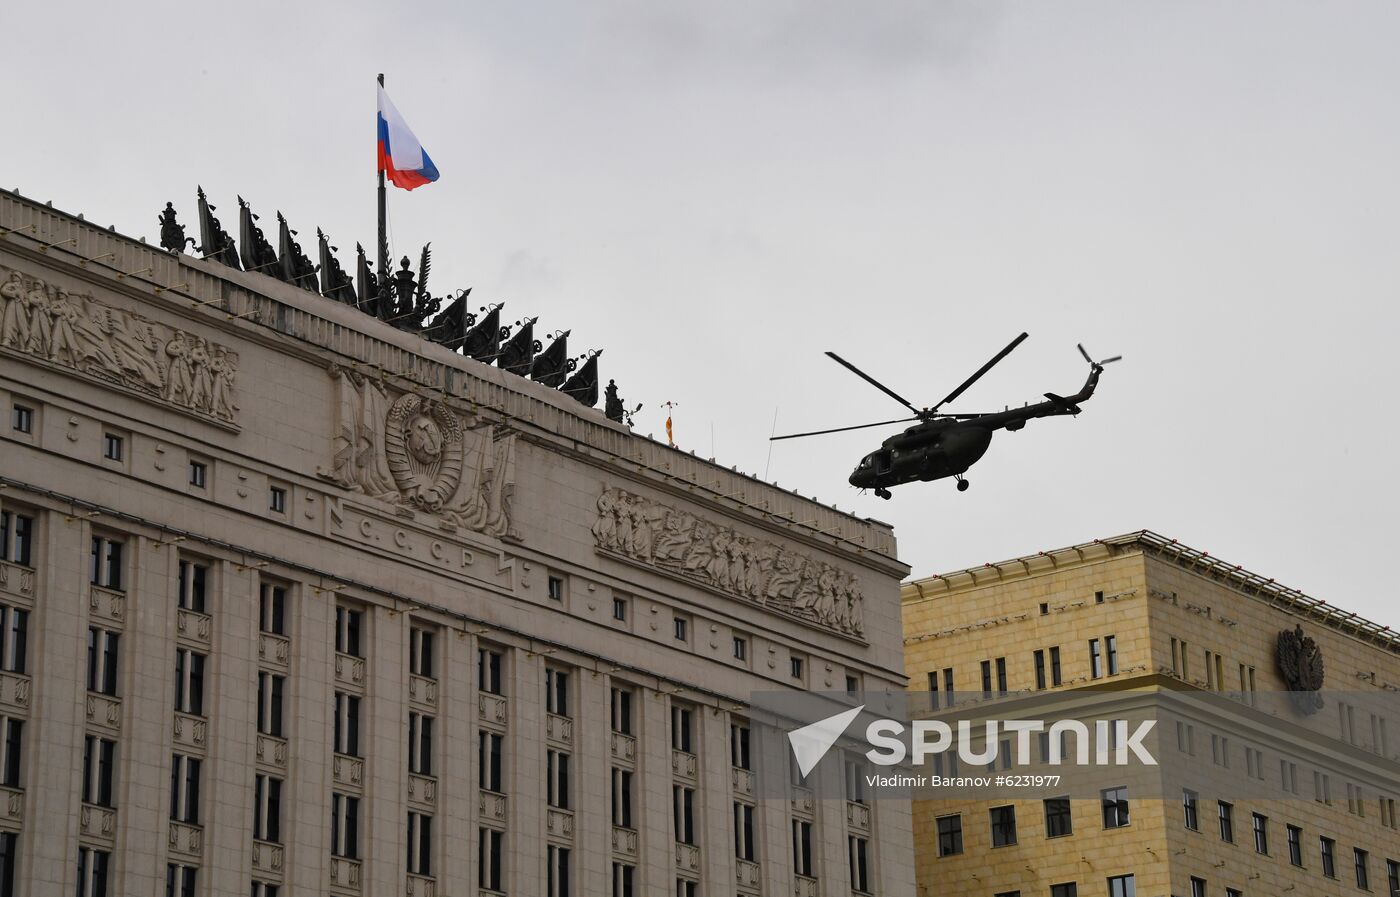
(297, 603)
(1277, 746)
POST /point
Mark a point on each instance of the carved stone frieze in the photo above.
(76, 331)
(679, 543)
(421, 455)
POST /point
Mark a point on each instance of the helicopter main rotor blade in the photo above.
(902, 420)
(873, 382)
(1110, 360)
(980, 371)
(1084, 353)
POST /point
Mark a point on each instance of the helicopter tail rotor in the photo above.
(1094, 363)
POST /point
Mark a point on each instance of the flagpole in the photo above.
(383, 226)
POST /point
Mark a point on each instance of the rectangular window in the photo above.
(348, 625)
(420, 653)
(1040, 680)
(92, 872)
(106, 567)
(420, 744)
(9, 857)
(950, 836)
(199, 474)
(489, 860)
(743, 831)
(557, 779)
(741, 648)
(99, 769)
(853, 772)
(277, 500)
(739, 756)
(111, 447)
(271, 692)
(272, 608)
(621, 798)
(189, 681)
(683, 813)
(22, 419)
(681, 726)
(1067, 889)
(1295, 845)
(852, 684)
(947, 688)
(986, 679)
(557, 882)
(802, 847)
(102, 661)
(1261, 834)
(1322, 787)
(556, 691)
(556, 588)
(1055, 677)
(1115, 807)
(1110, 650)
(11, 751)
(1188, 806)
(420, 844)
(1122, 886)
(859, 854)
(620, 615)
(1095, 660)
(1363, 869)
(184, 789)
(1003, 821)
(490, 751)
(267, 809)
(622, 711)
(1001, 677)
(623, 880)
(1328, 848)
(1226, 813)
(1392, 877)
(796, 667)
(194, 581)
(680, 629)
(14, 638)
(347, 724)
(488, 671)
(16, 538)
(1058, 820)
(1198, 887)
(345, 826)
(686, 887)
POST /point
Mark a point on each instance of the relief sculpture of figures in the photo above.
(75, 331)
(678, 543)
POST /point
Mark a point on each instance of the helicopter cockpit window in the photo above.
(866, 463)
(882, 462)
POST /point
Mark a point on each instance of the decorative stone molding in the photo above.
(347, 770)
(682, 545)
(349, 670)
(747, 874)
(624, 841)
(422, 789)
(624, 747)
(804, 887)
(420, 886)
(492, 805)
(683, 764)
(345, 873)
(12, 803)
(16, 579)
(559, 823)
(741, 780)
(858, 816)
(421, 455)
(492, 708)
(97, 822)
(688, 858)
(558, 728)
(186, 839)
(273, 648)
(75, 332)
(193, 626)
(422, 690)
(267, 857)
(101, 709)
(802, 803)
(272, 751)
(106, 603)
(190, 730)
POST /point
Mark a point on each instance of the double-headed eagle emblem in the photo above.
(1300, 665)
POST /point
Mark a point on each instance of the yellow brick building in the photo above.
(1253, 796)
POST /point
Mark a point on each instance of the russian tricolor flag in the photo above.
(401, 156)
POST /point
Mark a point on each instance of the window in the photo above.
(853, 775)
(1115, 807)
(622, 711)
(11, 751)
(1122, 886)
(556, 692)
(557, 779)
(1295, 845)
(277, 499)
(102, 661)
(1322, 787)
(681, 725)
(739, 746)
(1001, 677)
(420, 844)
(802, 847)
(795, 667)
(9, 857)
(986, 679)
(683, 813)
(16, 538)
(743, 831)
(184, 789)
(620, 614)
(623, 879)
(489, 855)
(1379, 739)
(199, 474)
(1363, 869)
(1226, 811)
(111, 446)
(947, 688)
(420, 652)
(347, 724)
(1068, 889)
(99, 769)
(348, 624)
(1348, 721)
(950, 838)
(1220, 750)
(1392, 876)
(685, 887)
(1329, 856)
(1098, 597)
(852, 684)
(490, 751)
(22, 419)
(1095, 660)
(1188, 805)
(859, 850)
(621, 798)
(272, 609)
(680, 629)
(1003, 826)
(1198, 887)
(1261, 833)
(1040, 679)
(556, 588)
(741, 648)
(1110, 650)
(92, 872)
(420, 744)
(1247, 684)
(1058, 820)
(189, 682)
(488, 671)
(106, 570)
(194, 580)
(271, 688)
(345, 826)
(557, 865)
(267, 809)
(14, 636)
(262, 889)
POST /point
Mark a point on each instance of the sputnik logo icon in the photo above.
(810, 743)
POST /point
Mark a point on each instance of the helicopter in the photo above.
(945, 445)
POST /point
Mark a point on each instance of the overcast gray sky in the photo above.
(718, 192)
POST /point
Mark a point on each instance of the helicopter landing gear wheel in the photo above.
(963, 484)
(884, 493)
